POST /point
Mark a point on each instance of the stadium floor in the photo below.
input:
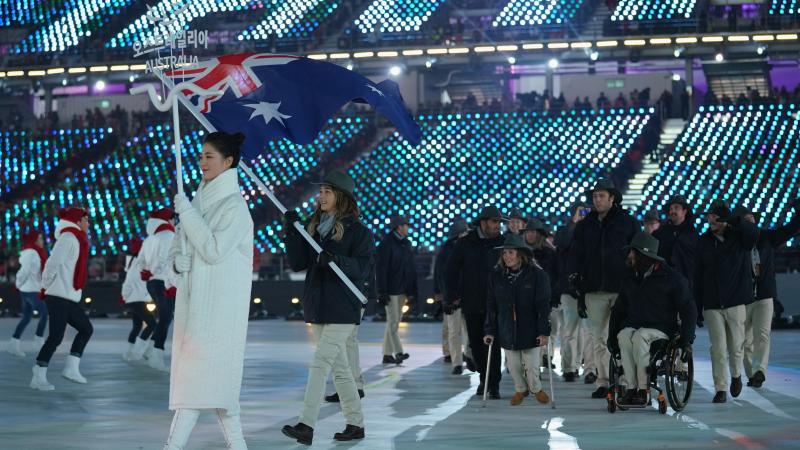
(416, 406)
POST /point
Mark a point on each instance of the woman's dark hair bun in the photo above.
(227, 144)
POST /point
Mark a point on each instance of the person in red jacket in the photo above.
(63, 279)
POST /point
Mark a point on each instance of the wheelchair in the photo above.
(667, 360)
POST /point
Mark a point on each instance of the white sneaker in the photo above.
(140, 349)
(38, 342)
(156, 360)
(13, 347)
(39, 380)
(129, 353)
(71, 370)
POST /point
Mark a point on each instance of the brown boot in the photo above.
(542, 397)
(517, 398)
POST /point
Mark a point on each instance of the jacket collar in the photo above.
(63, 225)
(210, 193)
(153, 224)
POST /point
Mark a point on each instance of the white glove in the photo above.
(182, 204)
(183, 263)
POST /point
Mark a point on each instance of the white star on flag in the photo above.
(374, 89)
(268, 111)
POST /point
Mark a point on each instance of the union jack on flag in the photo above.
(269, 97)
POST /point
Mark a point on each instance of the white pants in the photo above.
(555, 327)
(598, 308)
(454, 323)
(394, 311)
(634, 348)
(331, 354)
(183, 423)
(445, 337)
(757, 327)
(523, 365)
(353, 356)
(726, 332)
(570, 321)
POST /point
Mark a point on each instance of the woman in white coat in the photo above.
(213, 252)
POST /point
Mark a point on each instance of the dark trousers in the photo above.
(31, 303)
(166, 308)
(480, 350)
(64, 312)
(140, 315)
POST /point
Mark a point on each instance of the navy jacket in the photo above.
(655, 301)
(678, 245)
(519, 312)
(468, 269)
(546, 257)
(768, 241)
(326, 299)
(597, 252)
(395, 268)
(440, 265)
(563, 243)
(724, 269)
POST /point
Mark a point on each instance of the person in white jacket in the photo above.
(213, 253)
(29, 283)
(154, 270)
(63, 279)
(134, 297)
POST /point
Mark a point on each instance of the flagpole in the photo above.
(261, 185)
(177, 134)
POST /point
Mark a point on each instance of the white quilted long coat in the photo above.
(213, 299)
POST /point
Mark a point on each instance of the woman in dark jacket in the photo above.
(517, 313)
(328, 305)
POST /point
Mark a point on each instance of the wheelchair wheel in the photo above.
(662, 405)
(680, 377)
(615, 390)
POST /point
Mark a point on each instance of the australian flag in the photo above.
(268, 97)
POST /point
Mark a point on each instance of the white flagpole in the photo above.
(261, 185)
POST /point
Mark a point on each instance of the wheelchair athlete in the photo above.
(652, 297)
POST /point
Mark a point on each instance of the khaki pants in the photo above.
(465, 337)
(598, 308)
(445, 334)
(634, 348)
(331, 354)
(585, 352)
(353, 356)
(454, 323)
(726, 332)
(570, 322)
(523, 365)
(394, 311)
(757, 327)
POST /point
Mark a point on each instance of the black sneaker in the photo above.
(601, 392)
(447, 360)
(389, 359)
(457, 370)
(736, 386)
(301, 432)
(470, 364)
(757, 380)
(720, 397)
(589, 378)
(334, 398)
(350, 433)
(400, 357)
(569, 377)
(629, 397)
(494, 393)
(640, 397)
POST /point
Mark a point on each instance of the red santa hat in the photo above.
(72, 214)
(134, 246)
(165, 214)
(30, 237)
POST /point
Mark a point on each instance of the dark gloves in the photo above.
(699, 319)
(613, 346)
(686, 349)
(450, 309)
(582, 307)
(383, 300)
(327, 257)
(289, 218)
(555, 301)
